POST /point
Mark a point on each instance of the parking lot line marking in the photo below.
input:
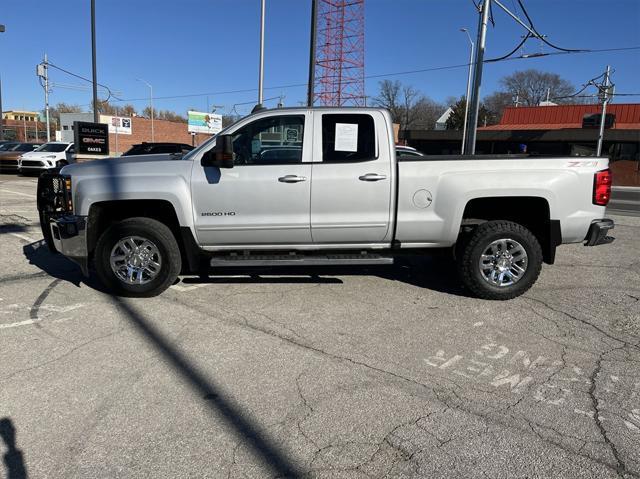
(18, 193)
(19, 323)
(23, 237)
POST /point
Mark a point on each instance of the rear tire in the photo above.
(137, 257)
(499, 260)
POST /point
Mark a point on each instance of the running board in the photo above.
(299, 260)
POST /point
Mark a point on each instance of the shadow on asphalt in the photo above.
(221, 406)
(13, 228)
(437, 273)
(13, 458)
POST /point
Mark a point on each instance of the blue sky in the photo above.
(188, 47)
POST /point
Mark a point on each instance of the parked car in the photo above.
(407, 152)
(347, 200)
(11, 152)
(54, 154)
(158, 148)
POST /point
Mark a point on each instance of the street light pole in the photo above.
(150, 105)
(466, 100)
(96, 117)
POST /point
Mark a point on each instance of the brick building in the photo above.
(561, 130)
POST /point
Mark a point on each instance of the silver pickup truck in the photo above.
(320, 186)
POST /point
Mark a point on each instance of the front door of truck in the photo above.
(265, 198)
(352, 179)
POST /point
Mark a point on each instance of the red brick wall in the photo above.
(164, 131)
(18, 126)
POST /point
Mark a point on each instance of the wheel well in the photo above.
(529, 211)
(105, 213)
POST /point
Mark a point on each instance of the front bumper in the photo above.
(69, 237)
(597, 233)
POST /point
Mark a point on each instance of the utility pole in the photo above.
(312, 55)
(470, 147)
(46, 96)
(466, 99)
(42, 70)
(1, 117)
(96, 117)
(261, 68)
(605, 93)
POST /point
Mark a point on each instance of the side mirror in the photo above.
(220, 155)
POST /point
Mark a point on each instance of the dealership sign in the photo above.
(121, 125)
(200, 122)
(91, 138)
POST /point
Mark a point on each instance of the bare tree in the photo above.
(54, 111)
(531, 86)
(496, 103)
(427, 112)
(408, 107)
(106, 108)
(127, 110)
(389, 98)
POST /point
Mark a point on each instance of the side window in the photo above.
(275, 140)
(348, 138)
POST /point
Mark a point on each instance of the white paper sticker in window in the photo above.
(346, 137)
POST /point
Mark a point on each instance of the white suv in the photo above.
(54, 154)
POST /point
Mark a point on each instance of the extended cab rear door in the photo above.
(352, 178)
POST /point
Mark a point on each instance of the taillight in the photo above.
(602, 187)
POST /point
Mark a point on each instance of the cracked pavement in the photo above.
(324, 373)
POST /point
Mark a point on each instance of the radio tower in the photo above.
(339, 62)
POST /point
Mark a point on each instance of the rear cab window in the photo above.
(348, 138)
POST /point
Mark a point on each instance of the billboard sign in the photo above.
(91, 138)
(121, 125)
(200, 122)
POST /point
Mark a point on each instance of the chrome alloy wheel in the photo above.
(135, 260)
(503, 262)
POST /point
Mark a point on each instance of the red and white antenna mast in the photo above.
(339, 63)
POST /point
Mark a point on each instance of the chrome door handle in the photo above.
(372, 177)
(292, 179)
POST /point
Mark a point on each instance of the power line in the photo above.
(110, 93)
(541, 37)
(383, 75)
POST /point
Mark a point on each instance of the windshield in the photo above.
(24, 147)
(8, 146)
(53, 147)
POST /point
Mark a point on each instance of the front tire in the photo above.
(137, 257)
(499, 260)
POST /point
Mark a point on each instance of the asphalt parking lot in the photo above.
(380, 372)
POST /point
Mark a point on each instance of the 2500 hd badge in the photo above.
(218, 213)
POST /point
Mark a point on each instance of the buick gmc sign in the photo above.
(91, 138)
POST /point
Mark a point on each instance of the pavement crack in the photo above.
(620, 467)
(585, 322)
